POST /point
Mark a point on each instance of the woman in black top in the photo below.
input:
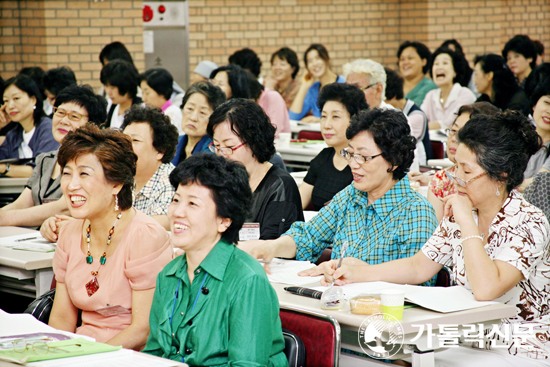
(329, 171)
(243, 133)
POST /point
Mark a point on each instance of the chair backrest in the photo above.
(310, 135)
(438, 149)
(325, 256)
(295, 350)
(319, 333)
(444, 278)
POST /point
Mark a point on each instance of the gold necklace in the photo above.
(93, 285)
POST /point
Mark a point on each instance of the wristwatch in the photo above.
(7, 169)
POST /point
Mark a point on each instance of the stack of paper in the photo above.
(28, 242)
(286, 271)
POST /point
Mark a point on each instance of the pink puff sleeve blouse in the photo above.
(142, 253)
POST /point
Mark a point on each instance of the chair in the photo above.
(438, 149)
(444, 278)
(319, 333)
(310, 135)
(294, 349)
(325, 256)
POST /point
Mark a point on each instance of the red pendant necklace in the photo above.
(93, 285)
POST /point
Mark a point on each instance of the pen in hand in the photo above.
(342, 253)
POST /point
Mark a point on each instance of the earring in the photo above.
(116, 203)
(34, 108)
(498, 191)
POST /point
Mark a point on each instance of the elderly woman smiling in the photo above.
(108, 257)
(380, 152)
(229, 314)
(495, 241)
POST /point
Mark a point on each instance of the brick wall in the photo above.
(51, 33)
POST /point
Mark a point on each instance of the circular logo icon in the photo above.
(381, 336)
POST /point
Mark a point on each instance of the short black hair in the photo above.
(113, 51)
(321, 50)
(477, 109)
(85, 97)
(457, 46)
(539, 47)
(123, 75)
(237, 78)
(37, 74)
(502, 144)
(504, 82)
(458, 63)
(248, 60)
(523, 45)
(228, 183)
(421, 49)
(538, 75)
(255, 89)
(394, 85)
(350, 96)
(165, 135)
(541, 90)
(27, 85)
(391, 133)
(213, 94)
(160, 80)
(56, 79)
(290, 56)
(250, 123)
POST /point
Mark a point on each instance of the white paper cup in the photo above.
(393, 301)
(284, 139)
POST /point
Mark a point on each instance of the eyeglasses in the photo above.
(41, 348)
(450, 132)
(224, 150)
(73, 116)
(369, 86)
(461, 181)
(361, 159)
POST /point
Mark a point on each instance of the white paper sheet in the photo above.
(440, 299)
(286, 271)
(28, 241)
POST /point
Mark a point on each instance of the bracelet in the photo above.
(470, 237)
(8, 166)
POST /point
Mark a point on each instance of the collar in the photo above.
(389, 200)
(215, 263)
(166, 105)
(386, 106)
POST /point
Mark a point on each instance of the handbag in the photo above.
(41, 307)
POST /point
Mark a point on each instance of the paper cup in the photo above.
(284, 139)
(392, 303)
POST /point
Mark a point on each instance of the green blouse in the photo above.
(419, 92)
(233, 321)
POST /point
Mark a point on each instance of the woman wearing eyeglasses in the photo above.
(74, 107)
(379, 214)
(23, 105)
(243, 133)
(200, 100)
(495, 241)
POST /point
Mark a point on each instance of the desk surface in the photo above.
(437, 135)
(300, 153)
(27, 260)
(296, 126)
(12, 185)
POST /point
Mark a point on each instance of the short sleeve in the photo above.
(63, 248)
(438, 248)
(308, 104)
(149, 251)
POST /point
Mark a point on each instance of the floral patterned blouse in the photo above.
(519, 236)
(440, 185)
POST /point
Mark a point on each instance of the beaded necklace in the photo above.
(93, 285)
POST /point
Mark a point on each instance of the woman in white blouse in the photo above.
(495, 241)
(440, 105)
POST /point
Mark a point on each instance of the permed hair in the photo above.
(523, 45)
(372, 69)
(289, 56)
(85, 97)
(458, 63)
(350, 96)
(502, 144)
(213, 94)
(250, 123)
(56, 79)
(164, 134)
(248, 60)
(391, 133)
(114, 151)
(394, 85)
(421, 49)
(228, 183)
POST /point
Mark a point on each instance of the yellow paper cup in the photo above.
(392, 303)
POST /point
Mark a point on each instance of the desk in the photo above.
(300, 153)
(24, 273)
(12, 185)
(437, 135)
(350, 323)
(296, 127)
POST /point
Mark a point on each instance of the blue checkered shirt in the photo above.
(395, 226)
(157, 194)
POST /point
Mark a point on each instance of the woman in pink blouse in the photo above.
(108, 257)
(494, 240)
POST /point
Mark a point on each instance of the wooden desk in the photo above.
(12, 185)
(24, 273)
(350, 323)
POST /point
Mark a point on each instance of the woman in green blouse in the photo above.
(213, 305)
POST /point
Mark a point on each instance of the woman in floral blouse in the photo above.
(495, 241)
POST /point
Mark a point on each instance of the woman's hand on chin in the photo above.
(4, 118)
(460, 207)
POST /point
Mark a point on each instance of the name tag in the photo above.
(112, 310)
(250, 231)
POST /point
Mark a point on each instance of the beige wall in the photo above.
(51, 33)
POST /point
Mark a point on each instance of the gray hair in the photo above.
(374, 71)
